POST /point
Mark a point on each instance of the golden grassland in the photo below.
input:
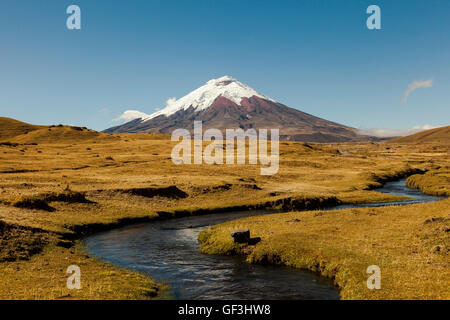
(60, 184)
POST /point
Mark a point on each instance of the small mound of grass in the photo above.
(66, 196)
(166, 192)
(41, 202)
(32, 203)
(432, 183)
(9, 144)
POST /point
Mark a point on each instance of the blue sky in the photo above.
(317, 56)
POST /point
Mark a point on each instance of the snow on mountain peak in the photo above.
(204, 96)
(221, 81)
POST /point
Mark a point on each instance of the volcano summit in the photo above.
(226, 103)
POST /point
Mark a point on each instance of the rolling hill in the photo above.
(437, 135)
(10, 128)
(56, 134)
(16, 132)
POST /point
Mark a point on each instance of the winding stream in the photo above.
(168, 251)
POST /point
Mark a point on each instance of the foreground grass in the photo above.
(44, 277)
(411, 245)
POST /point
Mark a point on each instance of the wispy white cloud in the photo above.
(135, 114)
(131, 115)
(386, 133)
(414, 86)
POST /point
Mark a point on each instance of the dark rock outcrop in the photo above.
(241, 236)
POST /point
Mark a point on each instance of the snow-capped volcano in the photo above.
(204, 97)
(226, 103)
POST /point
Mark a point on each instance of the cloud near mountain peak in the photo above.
(131, 115)
(387, 133)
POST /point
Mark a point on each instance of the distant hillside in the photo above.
(15, 131)
(55, 134)
(438, 135)
(10, 128)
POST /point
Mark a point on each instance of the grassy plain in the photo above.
(60, 183)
